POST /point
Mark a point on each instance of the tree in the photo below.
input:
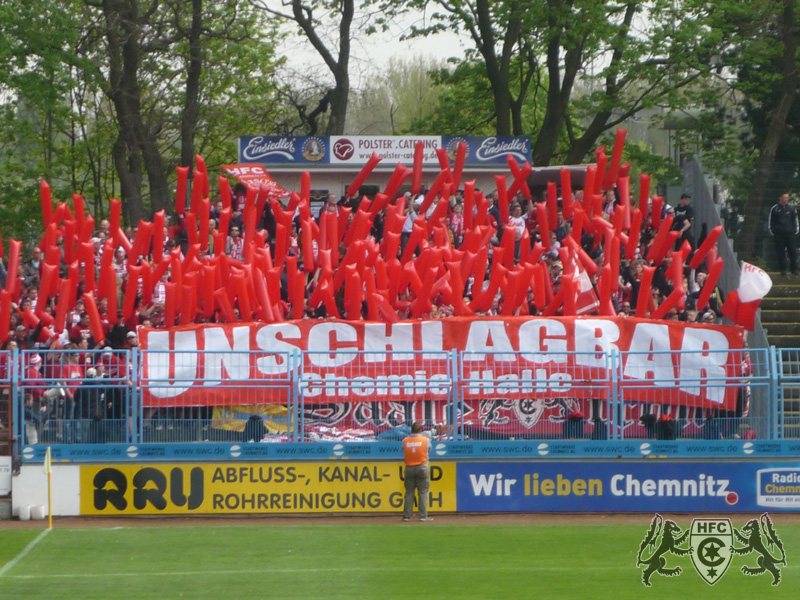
(548, 48)
(336, 55)
(768, 61)
(123, 83)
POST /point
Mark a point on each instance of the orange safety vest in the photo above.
(415, 450)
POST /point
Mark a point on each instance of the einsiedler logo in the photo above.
(711, 543)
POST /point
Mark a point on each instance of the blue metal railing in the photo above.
(155, 396)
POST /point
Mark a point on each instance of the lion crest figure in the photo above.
(759, 536)
(663, 537)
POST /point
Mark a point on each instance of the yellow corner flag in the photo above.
(48, 470)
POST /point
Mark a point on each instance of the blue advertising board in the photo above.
(623, 486)
(489, 150)
(336, 151)
(442, 450)
(270, 149)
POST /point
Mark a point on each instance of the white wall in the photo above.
(30, 487)
(336, 181)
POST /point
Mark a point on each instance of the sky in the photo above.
(370, 53)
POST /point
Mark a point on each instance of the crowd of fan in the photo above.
(120, 333)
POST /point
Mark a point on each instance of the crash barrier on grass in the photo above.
(153, 396)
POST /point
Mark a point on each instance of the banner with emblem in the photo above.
(711, 541)
(254, 174)
(356, 150)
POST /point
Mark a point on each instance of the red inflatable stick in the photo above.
(566, 194)
(94, 318)
(507, 244)
(264, 306)
(416, 176)
(180, 190)
(189, 303)
(388, 313)
(5, 315)
(197, 192)
(440, 180)
(644, 191)
(45, 196)
(444, 162)
(705, 247)
(602, 161)
(520, 176)
(461, 156)
(224, 191)
(49, 275)
(69, 241)
(114, 215)
(224, 305)
(643, 299)
(616, 157)
(502, 199)
(552, 205)
(158, 236)
(672, 301)
(170, 303)
(400, 174)
(62, 307)
(659, 246)
(308, 246)
(544, 225)
(362, 176)
(655, 213)
(623, 184)
(469, 203)
(242, 297)
(710, 284)
(80, 211)
(588, 188)
(203, 225)
(88, 229)
(633, 239)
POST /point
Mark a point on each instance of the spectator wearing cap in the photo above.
(111, 364)
(25, 340)
(131, 340)
(32, 379)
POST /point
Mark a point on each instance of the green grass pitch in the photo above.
(428, 561)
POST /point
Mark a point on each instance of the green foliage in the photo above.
(463, 105)
(59, 124)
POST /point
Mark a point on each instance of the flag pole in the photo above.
(48, 470)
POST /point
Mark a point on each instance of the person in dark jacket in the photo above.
(784, 228)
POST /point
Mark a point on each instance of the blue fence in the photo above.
(140, 397)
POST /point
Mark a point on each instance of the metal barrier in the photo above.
(702, 378)
(787, 372)
(375, 394)
(239, 396)
(517, 396)
(347, 395)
